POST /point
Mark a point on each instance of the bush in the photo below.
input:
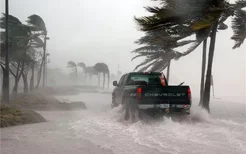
(11, 116)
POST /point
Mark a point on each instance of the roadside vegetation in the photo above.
(24, 109)
(11, 116)
(172, 25)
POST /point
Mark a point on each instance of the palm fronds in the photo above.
(71, 64)
(37, 22)
(239, 28)
(81, 64)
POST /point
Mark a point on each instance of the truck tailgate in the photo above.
(165, 95)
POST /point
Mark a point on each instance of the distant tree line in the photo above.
(99, 69)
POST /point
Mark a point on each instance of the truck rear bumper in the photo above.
(166, 108)
(163, 106)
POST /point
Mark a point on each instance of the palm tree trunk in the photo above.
(32, 78)
(15, 88)
(99, 79)
(206, 96)
(108, 79)
(168, 70)
(5, 86)
(39, 74)
(90, 79)
(44, 68)
(24, 77)
(103, 80)
(17, 78)
(204, 59)
(76, 73)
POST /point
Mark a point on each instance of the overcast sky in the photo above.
(104, 31)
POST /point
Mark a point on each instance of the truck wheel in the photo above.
(114, 104)
(126, 109)
(131, 111)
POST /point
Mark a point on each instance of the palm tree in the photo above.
(200, 17)
(38, 25)
(73, 66)
(204, 57)
(90, 71)
(82, 65)
(159, 49)
(17, 35)
(102, 68)
(22, 41)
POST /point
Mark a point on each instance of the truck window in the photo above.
(125, 79)
(121, 80)
(150, 79)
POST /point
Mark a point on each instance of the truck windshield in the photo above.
(150, 79)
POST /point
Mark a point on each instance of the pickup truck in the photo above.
(149, 91)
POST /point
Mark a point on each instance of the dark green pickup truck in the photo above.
(142, 91)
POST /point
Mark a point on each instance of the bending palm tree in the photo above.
(102, 68)
(73, 66)
(83, 66)
(202, 18)
(38, 25)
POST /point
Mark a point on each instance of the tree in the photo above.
(199, 17)
(19, 37)
(204, 57)
(24, 43)
(239, 34)
(82, 65)
(90, 71)
(38, 25)
(159, 50)
(74, 68)
(102, 68)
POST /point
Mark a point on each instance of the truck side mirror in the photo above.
(115, 83)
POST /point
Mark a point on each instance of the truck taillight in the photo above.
(139, 93)
(189, 93)
(163, 80)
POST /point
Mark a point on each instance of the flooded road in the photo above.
(99, 129)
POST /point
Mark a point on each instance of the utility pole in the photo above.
(6, 70)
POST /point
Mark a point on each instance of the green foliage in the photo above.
(22, 41)
(82, 65)
(173, 21)
(10, 116)
(239, 28)
(37, 23)
(101, 68)
(71, 64)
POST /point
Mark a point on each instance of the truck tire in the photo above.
(131, 110)
(114, 104)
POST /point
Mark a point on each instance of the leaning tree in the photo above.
(202, 18)
(102, 68)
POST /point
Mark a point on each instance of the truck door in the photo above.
(119, 89)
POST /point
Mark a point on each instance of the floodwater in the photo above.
(100, 129)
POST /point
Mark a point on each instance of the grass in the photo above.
(11, 116)
(44, 102)
(22, 109)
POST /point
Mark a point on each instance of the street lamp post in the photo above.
(6, 70)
